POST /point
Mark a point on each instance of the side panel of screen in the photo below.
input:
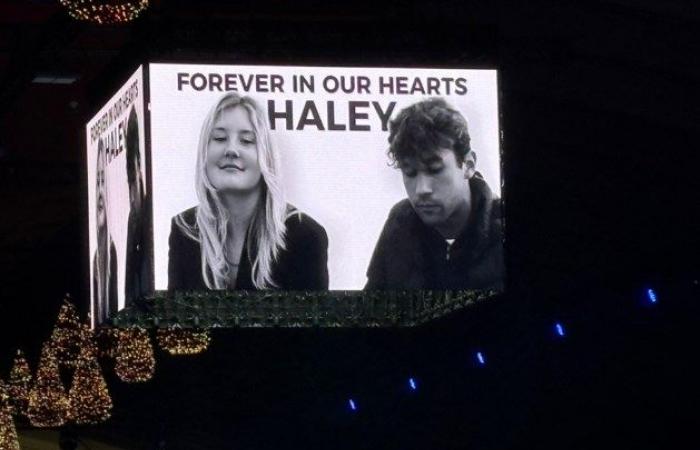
(116, 167)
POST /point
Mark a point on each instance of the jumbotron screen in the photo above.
(297, 179)
(116, 180)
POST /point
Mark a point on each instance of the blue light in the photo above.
(560, 329)
(480, 357)
(651, 295)
(412, 384)
(351, 402)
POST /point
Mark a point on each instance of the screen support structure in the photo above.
(340, 309)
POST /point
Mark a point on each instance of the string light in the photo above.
(107, 340)
(134, 361)
(48, 404)
(88, 399)
(67, 335)
(105, 11)
(177, 341)
(18, 384)
(8, 433)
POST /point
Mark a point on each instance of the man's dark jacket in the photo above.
(412, 255)
(138, 279)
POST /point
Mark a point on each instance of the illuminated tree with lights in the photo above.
(88, 399)
(19, 384)
(105, 12)
(48, 405)
(67, 335)
(134, 361)
(107, 342)
(177, 341)
(8, 432)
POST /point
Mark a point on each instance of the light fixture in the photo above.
(651, 295)
(48, 78)
(559, 328)
(105, 11)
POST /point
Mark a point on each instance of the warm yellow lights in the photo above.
(88, 399)
(107, 342)
(48, 405)
(18, 384)
(76, 349)
(177, 341)
(8, 432)
(134, 361)
(105, 11)
(67, 337)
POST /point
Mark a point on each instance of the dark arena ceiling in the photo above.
(600, 146)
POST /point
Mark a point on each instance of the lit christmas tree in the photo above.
(177, 341)
(88, 400)
(67, 335)
(48, 404)
(107, 342)
(8, 432)
(134, 361)
(19, 384)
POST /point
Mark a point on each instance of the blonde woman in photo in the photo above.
(243, 234)
(104, 263)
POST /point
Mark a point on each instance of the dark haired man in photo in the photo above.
(138, 266)
(448, 233)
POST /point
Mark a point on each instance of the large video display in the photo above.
(294, 179)
(119, 234)
(317, 178)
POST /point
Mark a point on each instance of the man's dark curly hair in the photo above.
(426, 126)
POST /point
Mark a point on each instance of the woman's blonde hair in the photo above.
(267, 226)
(102, 272)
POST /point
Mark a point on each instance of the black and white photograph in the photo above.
(119, 231)
(139, 277)
(321, 178)
(105, 265)
(243, 234)
(447, 234)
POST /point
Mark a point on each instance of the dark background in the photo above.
(600, 124)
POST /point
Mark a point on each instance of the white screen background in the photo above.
(340, 178)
